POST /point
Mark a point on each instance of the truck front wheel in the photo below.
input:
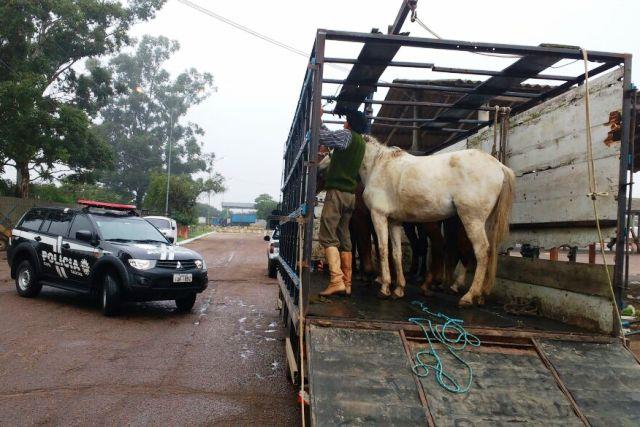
(111, 300)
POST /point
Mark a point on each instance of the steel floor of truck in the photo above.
(365, 305)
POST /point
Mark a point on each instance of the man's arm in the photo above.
(338, 139)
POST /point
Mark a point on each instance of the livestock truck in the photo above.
(361, 359)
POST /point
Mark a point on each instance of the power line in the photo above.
(257, 34)
(243, 28)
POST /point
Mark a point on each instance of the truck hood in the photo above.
(152, 251)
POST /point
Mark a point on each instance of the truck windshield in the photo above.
(159, 223)
(128, 229)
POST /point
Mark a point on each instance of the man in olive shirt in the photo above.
(340, 182)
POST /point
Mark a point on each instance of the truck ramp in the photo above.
(363, 377)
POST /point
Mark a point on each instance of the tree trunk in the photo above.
(22, 179)
(139, 198)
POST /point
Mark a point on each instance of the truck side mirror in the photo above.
(267, 238)
(84, 235)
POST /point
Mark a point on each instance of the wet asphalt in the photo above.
(63, 363)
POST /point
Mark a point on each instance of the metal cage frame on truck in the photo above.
(301, 148)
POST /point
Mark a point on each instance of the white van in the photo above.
(167, 226)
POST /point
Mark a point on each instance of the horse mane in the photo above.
(384, 150)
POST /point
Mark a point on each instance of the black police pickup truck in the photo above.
(104, 249)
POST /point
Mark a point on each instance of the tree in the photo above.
(70, 192)
(144, 116)
(207, 211)
(264, 205)
(183, 194)
(45, 104)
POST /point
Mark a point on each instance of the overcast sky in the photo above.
(247, 120)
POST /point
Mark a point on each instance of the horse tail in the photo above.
(498, 225)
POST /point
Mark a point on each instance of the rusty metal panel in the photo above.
(361, 377)
(604, 380)
(510, 386)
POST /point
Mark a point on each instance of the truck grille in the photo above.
(185, 264)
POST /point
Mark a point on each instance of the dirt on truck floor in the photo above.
(62, 362)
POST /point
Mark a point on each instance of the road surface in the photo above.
(63, 363)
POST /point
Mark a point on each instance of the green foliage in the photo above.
(183, 192)
(144, 116)
(264, 205)
(45, 105)
(206, 210)
(70, 192)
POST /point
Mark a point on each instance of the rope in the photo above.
(593, 187)
(427, 360)
(414, 18)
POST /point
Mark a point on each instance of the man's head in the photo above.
(356, 121)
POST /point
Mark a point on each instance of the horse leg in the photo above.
(396, 245)
(437, 252)
(423, 249)
(436, 244)
(380, 224)
(410, 231)
(458, 283)
(478, 236)
(451, 253)
(466, 257)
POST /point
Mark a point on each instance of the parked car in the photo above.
(273, 250)
(167, 226)
(102, 249)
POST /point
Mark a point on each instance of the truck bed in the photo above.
(364, 305)
(527, 370)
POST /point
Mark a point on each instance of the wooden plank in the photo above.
(589, 279)
(547, 150)
(560, 195)
(550, 237)
(553, 134)
(592, 253)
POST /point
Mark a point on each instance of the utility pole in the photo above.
(166, 203)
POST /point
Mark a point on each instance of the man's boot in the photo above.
(336, 285)
(346, 264)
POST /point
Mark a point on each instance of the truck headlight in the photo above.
(200, 264)
(142, 264)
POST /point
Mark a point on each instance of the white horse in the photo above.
(401, 188)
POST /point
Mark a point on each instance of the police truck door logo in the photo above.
(55, 259)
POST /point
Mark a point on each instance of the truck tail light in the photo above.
(272, 248)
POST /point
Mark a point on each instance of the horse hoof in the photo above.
(398, 293)
(465, 301)
(382, 295)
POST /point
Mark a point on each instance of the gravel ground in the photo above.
(63, 363)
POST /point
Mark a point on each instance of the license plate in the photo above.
(182, 278)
